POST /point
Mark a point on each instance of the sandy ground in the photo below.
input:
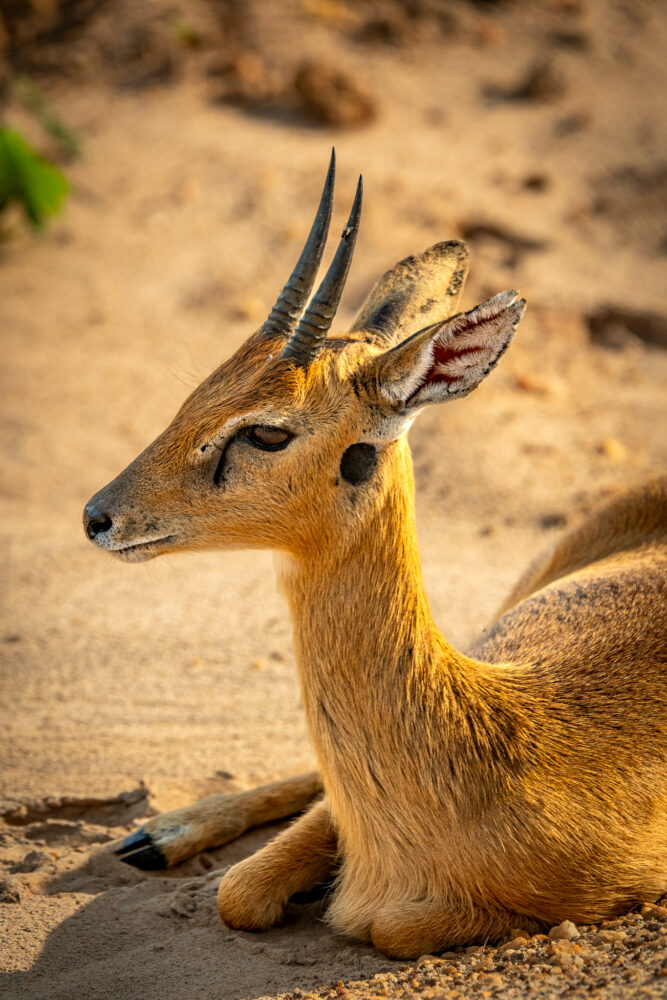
(131, 689)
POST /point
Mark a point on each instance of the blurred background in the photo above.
(184, 145)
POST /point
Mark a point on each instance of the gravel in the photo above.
(624, 957)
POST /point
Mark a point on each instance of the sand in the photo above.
(534, 132)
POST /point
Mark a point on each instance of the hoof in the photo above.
(139, 851)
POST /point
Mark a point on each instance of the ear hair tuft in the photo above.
(449, 359)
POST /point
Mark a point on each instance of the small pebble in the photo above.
(513, 944)
(613, 449)
(565, 931)
(33, 860)
(8, 891)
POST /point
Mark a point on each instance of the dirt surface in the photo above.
(536, 132)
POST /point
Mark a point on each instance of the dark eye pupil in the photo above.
(268, 437)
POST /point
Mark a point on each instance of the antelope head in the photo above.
(297, 436)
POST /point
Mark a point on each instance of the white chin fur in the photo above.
(135, 555)
(139, 551)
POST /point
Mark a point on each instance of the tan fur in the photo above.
(614, 528)
(298, 859)
(523, 782)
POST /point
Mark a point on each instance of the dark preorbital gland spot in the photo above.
(358, 463)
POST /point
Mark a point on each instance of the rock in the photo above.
(613, 449)
(536, 182)
(8, 891)
(553, 520)
(562, 946)
(616, 327)
(510, 245)
(243, 79)
(513, 944)
(33, 860)
(528, 383)
(653, 910)
(610, 938)
(564, 932)
(390, 27)
(484, 963)
(331, 97)
(494, 979)
(562, 961)
(541, 83)
(182, 905)
(516, 957)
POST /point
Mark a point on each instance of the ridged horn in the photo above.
(308, 339)
(292, 300)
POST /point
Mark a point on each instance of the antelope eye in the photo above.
(268, 438)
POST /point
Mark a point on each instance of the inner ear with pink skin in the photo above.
(449, 359)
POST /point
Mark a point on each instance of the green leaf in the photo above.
(26, 177)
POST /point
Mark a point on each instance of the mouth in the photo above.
(141, 551)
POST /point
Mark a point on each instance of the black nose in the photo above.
(95, 521)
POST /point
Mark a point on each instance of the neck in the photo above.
(372, 663)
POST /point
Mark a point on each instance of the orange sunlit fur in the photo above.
(521, 782)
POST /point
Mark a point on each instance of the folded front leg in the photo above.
(253, 894)
(213, 821)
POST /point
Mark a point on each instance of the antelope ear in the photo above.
(415, 293)
(448, 359)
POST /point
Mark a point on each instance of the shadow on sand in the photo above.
(144, 935)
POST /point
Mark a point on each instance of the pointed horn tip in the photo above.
(332, 165)
(358, 196)
(294, 296)
(352, 226)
